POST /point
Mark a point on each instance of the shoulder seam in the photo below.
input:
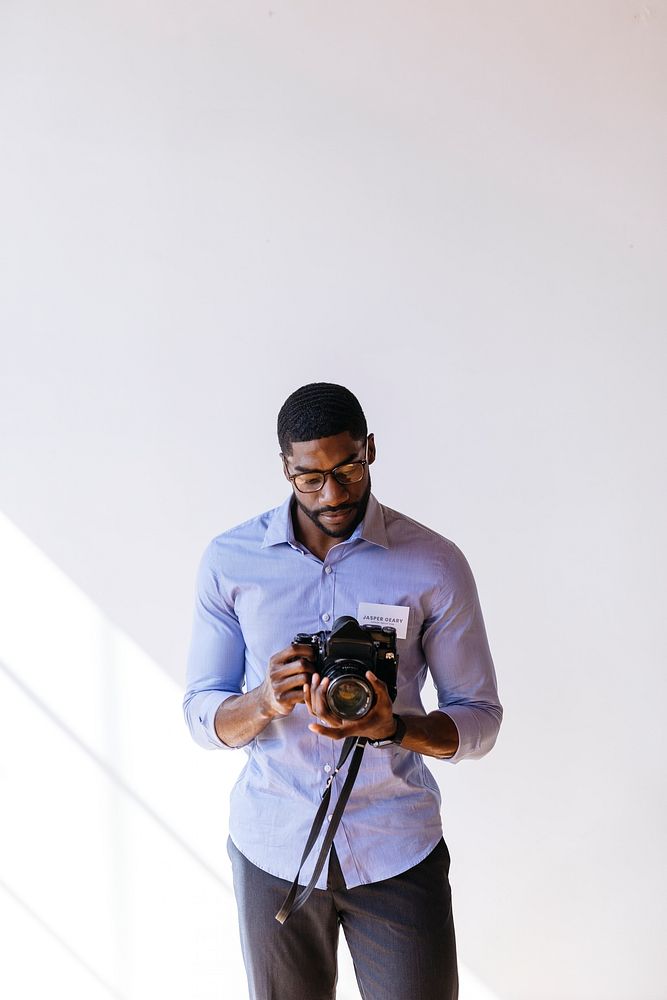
(424, 527)
(245, 524)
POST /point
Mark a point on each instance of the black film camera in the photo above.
(344, 655)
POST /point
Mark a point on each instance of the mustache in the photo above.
(338, 510)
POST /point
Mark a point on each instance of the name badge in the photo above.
(385, 614)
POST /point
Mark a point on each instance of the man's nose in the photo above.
(333, 493)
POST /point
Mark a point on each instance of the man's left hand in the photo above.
(377, 724)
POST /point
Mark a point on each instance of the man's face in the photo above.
(336, 509)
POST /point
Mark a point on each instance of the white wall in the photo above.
(459, 211)
(110, 883)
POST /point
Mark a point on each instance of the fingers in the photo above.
(310, 689)
(288, 685)
(283, 686)
(378, 686)
(316, 700)
(295, 668)
(298, 669)
(293, 652)
(306, 694)
(330, 731)
(288, 672)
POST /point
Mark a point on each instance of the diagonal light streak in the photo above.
(73, 954)
(114, 777)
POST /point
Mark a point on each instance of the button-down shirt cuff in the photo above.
(200, 716)
(477, 729)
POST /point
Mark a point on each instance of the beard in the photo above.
(359, 509)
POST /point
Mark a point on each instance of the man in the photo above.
(329, 550)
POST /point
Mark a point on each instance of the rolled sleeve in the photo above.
(458, 656)
(216, 661)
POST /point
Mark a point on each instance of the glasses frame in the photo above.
(363, 462)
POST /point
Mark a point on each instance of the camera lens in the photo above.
(350, 697)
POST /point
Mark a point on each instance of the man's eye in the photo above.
(308, 480)
(347, 472)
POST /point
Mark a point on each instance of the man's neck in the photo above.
(307, 532)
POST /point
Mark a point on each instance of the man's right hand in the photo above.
(287, 673)
(241, 717)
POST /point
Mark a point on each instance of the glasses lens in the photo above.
(351, 473)
(309, 482)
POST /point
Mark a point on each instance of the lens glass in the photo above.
(352, 473)
(349, 697)
(309, 482)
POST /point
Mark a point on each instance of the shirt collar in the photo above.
(372, 529)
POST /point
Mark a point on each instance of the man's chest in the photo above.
(298, 593)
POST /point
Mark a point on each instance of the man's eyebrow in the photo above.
(350, 458)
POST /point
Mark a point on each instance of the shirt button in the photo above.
(329, 818)
(326, 616)
(327, 767)
(327, 569)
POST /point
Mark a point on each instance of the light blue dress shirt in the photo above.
(257, 587)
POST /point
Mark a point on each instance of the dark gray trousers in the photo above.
(400, 933)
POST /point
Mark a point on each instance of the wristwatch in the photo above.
(397, 738)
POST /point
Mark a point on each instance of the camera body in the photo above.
(344, 655)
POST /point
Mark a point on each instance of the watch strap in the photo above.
(397, 737)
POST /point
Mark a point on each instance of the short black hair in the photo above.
(318, 410)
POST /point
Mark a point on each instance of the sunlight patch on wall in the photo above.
(113, 878)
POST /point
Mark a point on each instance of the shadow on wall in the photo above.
(114, 826)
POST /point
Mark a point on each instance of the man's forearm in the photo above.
(241, 717)
(434, 735)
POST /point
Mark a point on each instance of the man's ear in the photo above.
(285, 470)
(371, 448)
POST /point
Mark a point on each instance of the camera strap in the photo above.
(292, 901)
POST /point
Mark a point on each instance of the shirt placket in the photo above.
(327, 748)
(327, 593)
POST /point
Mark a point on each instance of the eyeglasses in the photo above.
(346, 475)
